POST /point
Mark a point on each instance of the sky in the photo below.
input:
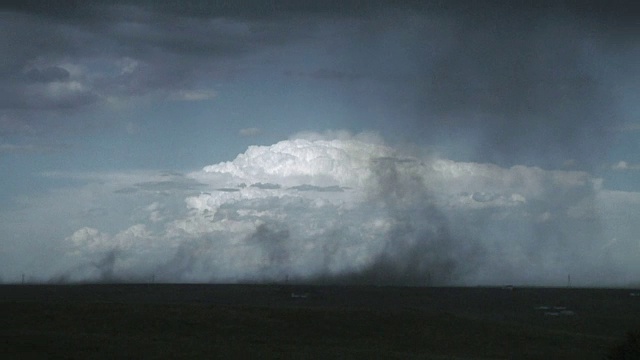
(332, 142)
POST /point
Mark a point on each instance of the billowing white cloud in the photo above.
(341, 208)
(88, 239)
(302, 161)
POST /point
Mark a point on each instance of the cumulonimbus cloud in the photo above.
(350, 209)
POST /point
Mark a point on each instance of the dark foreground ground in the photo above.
(273, 321)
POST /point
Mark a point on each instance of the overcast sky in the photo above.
(426, 142)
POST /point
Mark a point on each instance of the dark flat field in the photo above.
(308, 322)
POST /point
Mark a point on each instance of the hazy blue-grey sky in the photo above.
(456, 142)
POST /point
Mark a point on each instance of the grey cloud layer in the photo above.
(527, 81)
(55, 59)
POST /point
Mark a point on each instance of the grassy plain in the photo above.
(305, 322)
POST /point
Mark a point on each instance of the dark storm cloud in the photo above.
(525, 85)
(529, 82)
(619, 12)
(103, 268)
(272, 239)
(422, 248)
(122, 49)
(149, 19)
(48, 74)
(184, 261)
(326, 74)
(192, 256)
(193, 30)
(526, 80)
